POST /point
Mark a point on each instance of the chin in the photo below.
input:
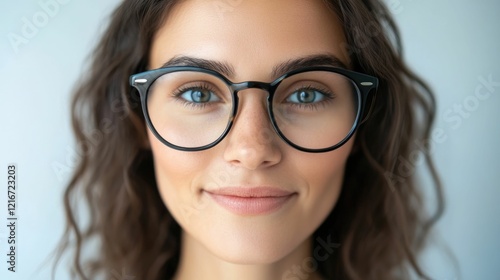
(254, 247)
(254, 256)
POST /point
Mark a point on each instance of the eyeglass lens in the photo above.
(314, 109)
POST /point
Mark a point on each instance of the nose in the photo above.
(252, 143)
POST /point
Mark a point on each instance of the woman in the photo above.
(261, 140)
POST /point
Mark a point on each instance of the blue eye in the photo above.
(306, 96)
(199, 95)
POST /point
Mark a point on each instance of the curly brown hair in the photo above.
(379, 220)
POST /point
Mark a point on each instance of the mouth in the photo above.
(249, 201)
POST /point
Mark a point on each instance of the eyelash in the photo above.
(181, 90)
(328, 97)
(327, 94)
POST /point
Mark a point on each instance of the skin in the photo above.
(252, 37)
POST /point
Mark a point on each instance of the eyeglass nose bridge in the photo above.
(251, 84)
(267, 87)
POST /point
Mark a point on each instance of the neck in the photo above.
(198, 263)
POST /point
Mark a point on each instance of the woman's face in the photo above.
(208, 191)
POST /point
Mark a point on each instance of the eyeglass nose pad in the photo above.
(370, 109)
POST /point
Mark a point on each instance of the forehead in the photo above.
(251, 35)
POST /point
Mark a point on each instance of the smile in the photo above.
(251, 201)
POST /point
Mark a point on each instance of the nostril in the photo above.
(253, 157)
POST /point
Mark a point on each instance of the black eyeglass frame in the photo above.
(364, 83)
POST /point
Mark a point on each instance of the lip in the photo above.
(248, 201)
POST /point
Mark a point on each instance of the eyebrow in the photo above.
(217, 66)
(278, 70)
(307, 61)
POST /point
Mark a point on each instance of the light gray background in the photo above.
(453, 44)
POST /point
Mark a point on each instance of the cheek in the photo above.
(176, 174)
(323, 175)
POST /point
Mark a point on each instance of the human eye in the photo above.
(197, 95)
(309, 97)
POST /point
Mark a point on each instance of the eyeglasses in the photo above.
(313, 109)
